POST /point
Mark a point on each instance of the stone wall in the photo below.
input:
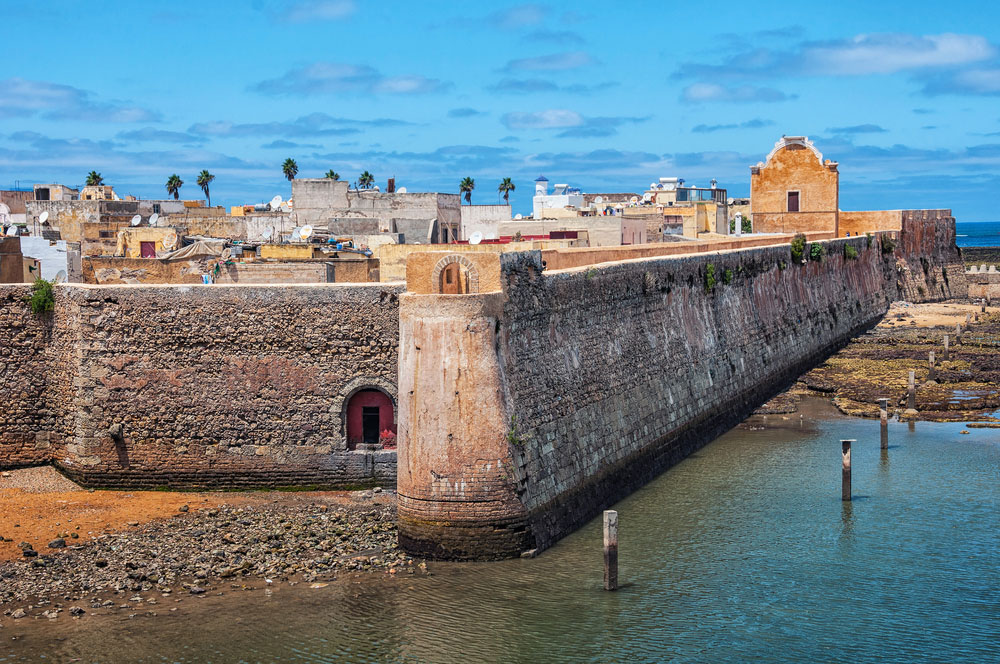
(526, 412)
(928, 264)
(196, 386)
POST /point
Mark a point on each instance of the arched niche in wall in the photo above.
(455, 274)
(376, 394)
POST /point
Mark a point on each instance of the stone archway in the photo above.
(342, 403)
(455, 274)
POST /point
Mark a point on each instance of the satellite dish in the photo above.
(305, 232)
(153, 219)
(43, 217)
(4, 209)
(276, 202)
(599, 200)
(634, 199)
(518, 217)
(61, 277)
(266, 233)
(136, 220)
(476, 238)
(401, 190)
(375, 188)
(170, 241)
(12, 231)
(647, 197)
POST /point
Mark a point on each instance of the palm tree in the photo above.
(204, 179)
(332, 174)
(506, 186)
(366, 180)
(466, 186)
(290, 169)
(94, 179)
(174, 184)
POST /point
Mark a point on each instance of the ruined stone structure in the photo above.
(197, 386)
(526, 410)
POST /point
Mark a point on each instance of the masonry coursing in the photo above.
(197, 386)
(607, 375)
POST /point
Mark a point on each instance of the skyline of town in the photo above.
(905, 99)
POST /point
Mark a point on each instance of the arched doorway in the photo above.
(452, 281)
(455, 275)
(369, 413)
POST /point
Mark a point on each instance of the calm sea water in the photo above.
(743, 552)
(977, 233)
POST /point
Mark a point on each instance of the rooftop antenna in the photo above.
(476, 238)
(136, 220)
(153, 219)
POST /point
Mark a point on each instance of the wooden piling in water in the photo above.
(883, 412)
(930, 365)
(945, 355)
(610, 550)
(845, 475)
(911, 391)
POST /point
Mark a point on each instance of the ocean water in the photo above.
(977, 233)
(744, 552)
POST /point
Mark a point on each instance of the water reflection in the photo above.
(736, 554)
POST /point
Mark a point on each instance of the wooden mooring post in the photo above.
(945, 355)
(845, 476)
(958, 333)
(610, 550)
(911, 391)
(883, 412)
(930, 365)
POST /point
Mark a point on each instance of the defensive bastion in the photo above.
(561, 382)
(526, 410)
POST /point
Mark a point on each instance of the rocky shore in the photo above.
(963, 386)
(206, 550)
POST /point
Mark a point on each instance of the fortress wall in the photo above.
(194, 386)
(601, 377)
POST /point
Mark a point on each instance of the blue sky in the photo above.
(606, 97)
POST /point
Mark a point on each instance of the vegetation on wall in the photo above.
(43, 296)
(710, 278)
(888, 245)
(816, 252)
(727, 276)
(850, 253)
(799, 248)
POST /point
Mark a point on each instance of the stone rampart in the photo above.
(524, 413)
(197, 386)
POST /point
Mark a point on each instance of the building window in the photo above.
(42, 194)
(147, 249)
(105, 235)
(793, 201)
(156, 208)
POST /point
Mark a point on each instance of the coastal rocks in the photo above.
(57, 543)
(205, 551)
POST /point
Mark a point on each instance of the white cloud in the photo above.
(337, 77)
(554, 62)
(890, 53)
(23, 98)
(328, 10)
(550, 119)
(713, 92)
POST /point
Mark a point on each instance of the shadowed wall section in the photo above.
(524, 413)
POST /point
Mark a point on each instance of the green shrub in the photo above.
(746, 227)
(514, 436)
(727, 276)
(850, 253)
(782, 265)
(43, 296)
(798, 248)
(709, 278)
(888, 245)
(816, 252)
(870, 239)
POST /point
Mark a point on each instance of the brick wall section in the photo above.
(25, 419)
(608, 374)
(219, 386)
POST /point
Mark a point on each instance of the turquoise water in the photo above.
(743, 552)
(977, 233)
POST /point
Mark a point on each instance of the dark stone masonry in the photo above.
(195, 386)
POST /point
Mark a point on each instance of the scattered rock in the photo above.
(18, 613)
(57, 543)
(964, 431)
(197, 590)
(76, 611)
(183, 508)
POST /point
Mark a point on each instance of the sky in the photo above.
(606, 97)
